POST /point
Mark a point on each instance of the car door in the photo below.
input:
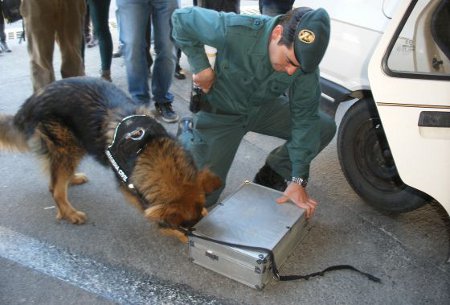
(409, 74)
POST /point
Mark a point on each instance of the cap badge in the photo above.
(306, 36)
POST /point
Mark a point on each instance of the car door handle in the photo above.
(434, 119)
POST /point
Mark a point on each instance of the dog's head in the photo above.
(184, 205)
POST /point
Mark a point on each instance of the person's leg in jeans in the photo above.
(164, 62)
(118, 53)
(134, 16)
(148, 46)
(99, 10)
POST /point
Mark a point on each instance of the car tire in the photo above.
(368, 165)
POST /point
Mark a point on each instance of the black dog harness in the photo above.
(130, 138)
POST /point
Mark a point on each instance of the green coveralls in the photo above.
(247, 95)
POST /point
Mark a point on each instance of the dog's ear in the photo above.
(209, 181)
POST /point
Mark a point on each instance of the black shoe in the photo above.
(185, 125)
(92, 43)
(4, 47)
(268, 177)
(166, 112)
(179, 74)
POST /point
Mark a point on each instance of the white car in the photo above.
(388, 67)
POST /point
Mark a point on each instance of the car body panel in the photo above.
(356, 26)
(421, 153)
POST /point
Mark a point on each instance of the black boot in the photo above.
(268, 177)
(179, 74)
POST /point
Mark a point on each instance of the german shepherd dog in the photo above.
(78, 116)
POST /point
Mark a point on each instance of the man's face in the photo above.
(282, 58)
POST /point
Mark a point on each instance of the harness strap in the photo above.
(276, 274)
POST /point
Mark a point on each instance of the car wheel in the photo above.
(367, 162)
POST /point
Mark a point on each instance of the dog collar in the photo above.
(130, 137)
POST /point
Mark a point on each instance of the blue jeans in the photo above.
(134, 16)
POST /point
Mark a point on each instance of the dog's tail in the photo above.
(11, 138)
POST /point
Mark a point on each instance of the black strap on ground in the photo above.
(331, 268)
(275, 271)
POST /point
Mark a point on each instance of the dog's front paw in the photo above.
(175, 233)
(75, 217)
(78, 178)
(183, 238)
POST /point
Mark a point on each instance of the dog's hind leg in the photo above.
(61, 174)
(62, 154)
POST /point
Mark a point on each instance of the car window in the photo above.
(422, 46)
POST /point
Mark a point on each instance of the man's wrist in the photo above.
(300, 181)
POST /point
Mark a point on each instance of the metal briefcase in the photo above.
(250, 216)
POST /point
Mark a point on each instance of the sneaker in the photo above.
(118, 53)
(166, 112)
(4, 47)
(185, 125)
(92, 43)
(268, 177)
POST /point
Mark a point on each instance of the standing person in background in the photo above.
(88, 37)
(275, 7)
(179, 73)
(3, 45)
(118, 52)
(47, 21)
(134, 17)
(220, 5)
(99, 12)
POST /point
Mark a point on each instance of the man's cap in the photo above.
(311, 38)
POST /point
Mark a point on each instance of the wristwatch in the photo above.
(301, 181)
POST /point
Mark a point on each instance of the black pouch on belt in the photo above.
(197, 99)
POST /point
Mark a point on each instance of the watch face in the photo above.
(300, 181)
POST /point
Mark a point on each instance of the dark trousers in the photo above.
(99, 12)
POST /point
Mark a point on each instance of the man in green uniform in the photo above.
(259, 59)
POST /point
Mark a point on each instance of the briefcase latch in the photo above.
(211, 255)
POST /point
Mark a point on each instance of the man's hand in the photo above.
(297, 194)
(204, 79)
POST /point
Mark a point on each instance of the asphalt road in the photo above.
(118, 257)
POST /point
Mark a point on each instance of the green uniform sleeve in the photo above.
(195, 27)
(304, 96)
